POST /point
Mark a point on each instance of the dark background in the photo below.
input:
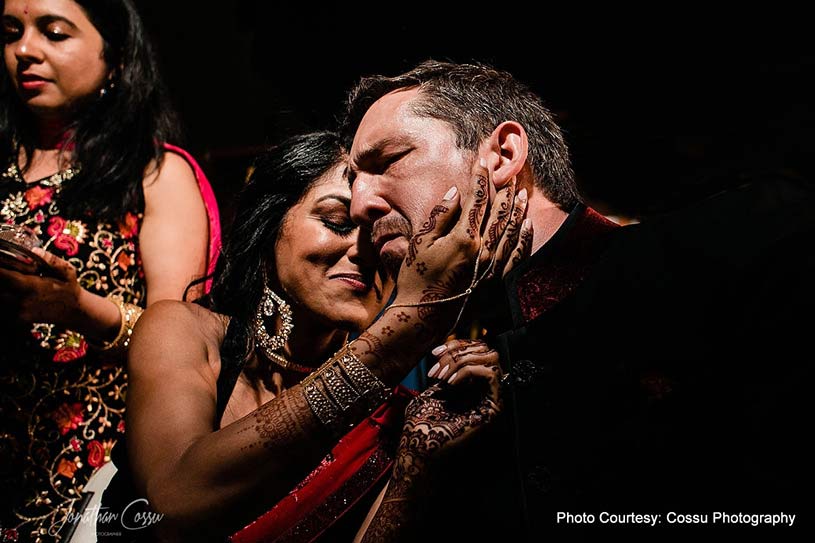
(651, 102)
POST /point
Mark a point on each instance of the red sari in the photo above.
(360, 460)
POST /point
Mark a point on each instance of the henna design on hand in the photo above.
(523, 248)
(427, 227)
(438, 291)
(481, 196)
(431, 427)
(498, 226)
(368, 344)
(402, 317)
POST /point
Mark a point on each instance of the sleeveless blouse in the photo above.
(61, 403)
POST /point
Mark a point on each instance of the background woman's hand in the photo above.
(33, 297)
(57, 298)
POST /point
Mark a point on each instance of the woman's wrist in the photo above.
(99, 318)
(393, 345)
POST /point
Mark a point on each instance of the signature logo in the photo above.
(136, 515)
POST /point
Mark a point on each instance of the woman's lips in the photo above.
(32, 82)
(355, 280)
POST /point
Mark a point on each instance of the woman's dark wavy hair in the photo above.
(113, 137)
(280, 178)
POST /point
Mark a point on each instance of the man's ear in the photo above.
(506, 151)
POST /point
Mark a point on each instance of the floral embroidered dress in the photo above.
(61, 405)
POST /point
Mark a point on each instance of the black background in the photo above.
(650, 99)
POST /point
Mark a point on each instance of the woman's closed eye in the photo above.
(341, 226)
(11, 32)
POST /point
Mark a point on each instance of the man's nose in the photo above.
(367, 201)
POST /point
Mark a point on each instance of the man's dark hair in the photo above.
(473, 99)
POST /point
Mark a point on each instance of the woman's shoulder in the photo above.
(181, 324)
(174, 165)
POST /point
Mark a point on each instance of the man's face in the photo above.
(401, 165)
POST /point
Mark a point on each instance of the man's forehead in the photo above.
(386, 116)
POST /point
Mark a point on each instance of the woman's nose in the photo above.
(27, 49)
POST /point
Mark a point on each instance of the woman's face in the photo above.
(53, 55)
(324, 266)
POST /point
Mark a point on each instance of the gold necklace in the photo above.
(285, 363)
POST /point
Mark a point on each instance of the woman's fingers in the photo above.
(59, 268)
(474, 207)
(436, 225)
(500, 213)
(511, 236)
(457, 354)
(523, 247)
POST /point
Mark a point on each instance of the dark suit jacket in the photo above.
(654, 368)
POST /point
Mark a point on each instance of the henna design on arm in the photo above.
(282, 423)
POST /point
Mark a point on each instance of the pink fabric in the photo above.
(212, 209)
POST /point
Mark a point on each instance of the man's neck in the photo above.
(546, 217)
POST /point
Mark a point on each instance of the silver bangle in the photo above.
(343, 391)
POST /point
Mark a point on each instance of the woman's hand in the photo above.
(57, 298)
(34, 297)
(461, 360)
(455, 248)
(445, 416)
(437, 422)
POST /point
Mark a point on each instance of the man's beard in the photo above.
(390, 225)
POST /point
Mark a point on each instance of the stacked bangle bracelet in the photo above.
(342, 391)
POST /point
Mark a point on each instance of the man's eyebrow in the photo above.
(378, 149)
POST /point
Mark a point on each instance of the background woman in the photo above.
(125, 219)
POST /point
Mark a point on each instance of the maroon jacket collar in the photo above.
(557, 268)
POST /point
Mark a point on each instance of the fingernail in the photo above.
(450, 193)
(452, 378)
(522, 195)
(434, 370)
(527, 223)
(482, 162)
(438, 350)
(443, 372)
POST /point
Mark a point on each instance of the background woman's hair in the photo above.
(279, 178)
(113, 137)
